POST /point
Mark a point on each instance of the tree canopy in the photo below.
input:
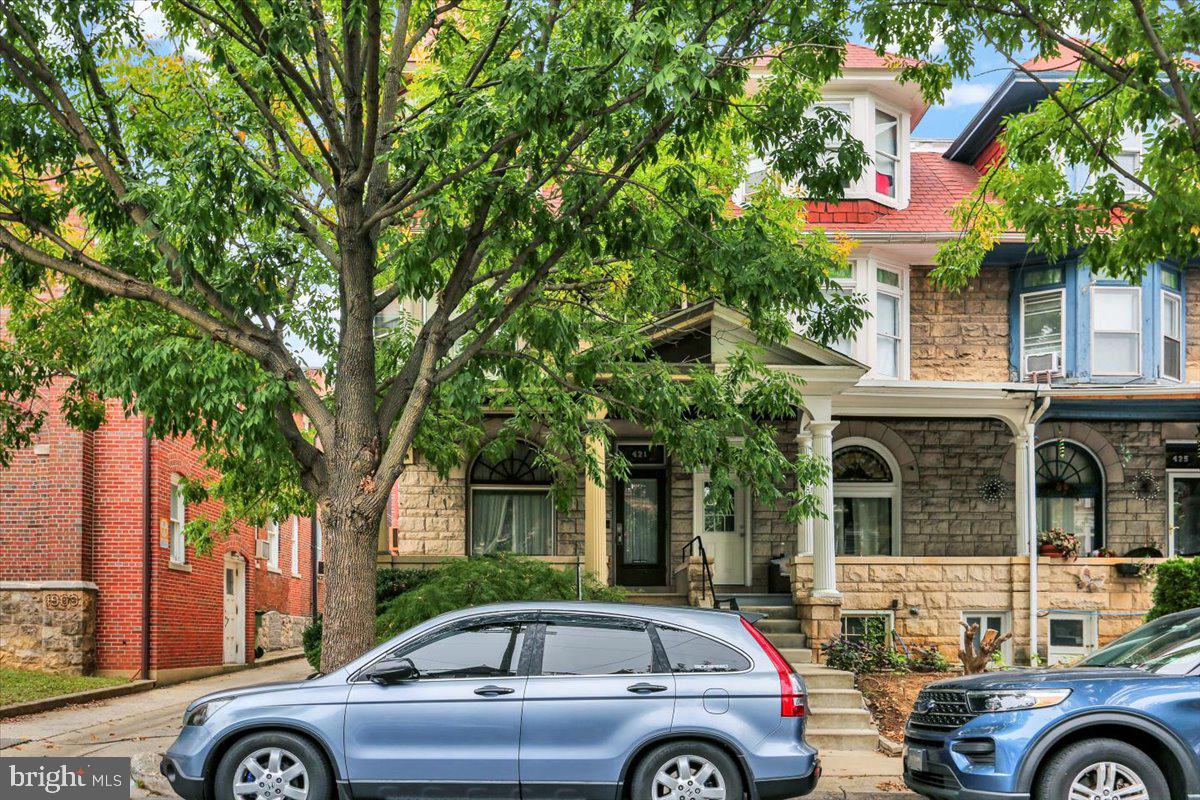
(207, 225)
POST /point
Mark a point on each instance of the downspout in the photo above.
(1032, 417)
(147, 547)
(312, 559)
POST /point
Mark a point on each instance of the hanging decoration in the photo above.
(993, 488)
(1146, 485)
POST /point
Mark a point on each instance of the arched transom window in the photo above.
(1070, 488)
(511, 508)
(866, 499)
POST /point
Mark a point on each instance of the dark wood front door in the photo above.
(640, 526)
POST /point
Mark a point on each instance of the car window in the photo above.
(691, 652)
(484, 651)
(597, 647)
(1156, 646)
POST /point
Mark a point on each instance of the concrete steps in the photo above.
(659, 598)
(838, 718)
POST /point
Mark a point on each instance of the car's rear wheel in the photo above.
(687, 770)
(1102, 769)
(272, 765)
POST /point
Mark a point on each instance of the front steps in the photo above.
(838, 718)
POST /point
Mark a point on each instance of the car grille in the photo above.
(940, 710)
(935, 779)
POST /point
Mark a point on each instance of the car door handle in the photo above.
(491, 690)
(645, 688)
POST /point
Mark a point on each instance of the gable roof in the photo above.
(862, 57)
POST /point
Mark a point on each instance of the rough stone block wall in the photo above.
(963, 335)
(48, 626)
(278, 631)
(940, 589)
(941, 511)
(431, 512)
(1191, 295)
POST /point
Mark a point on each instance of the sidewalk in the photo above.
(860, 776)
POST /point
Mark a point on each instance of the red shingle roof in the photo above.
(937, 185)
(860, 57)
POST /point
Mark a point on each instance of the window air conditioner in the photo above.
(1043, 363)
(262, 549)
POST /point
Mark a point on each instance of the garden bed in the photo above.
(890, 697)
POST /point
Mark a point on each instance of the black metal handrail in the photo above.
(708, 585)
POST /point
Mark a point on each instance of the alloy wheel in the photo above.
(1108, 780)
(688, 778)
(271, 773)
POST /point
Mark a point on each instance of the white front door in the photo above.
(722, 528)
(235, 611)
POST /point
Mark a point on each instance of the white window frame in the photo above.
(1005, 627)
(900, 293)
(1172, 476)
(295, 546)
(1169, 296)
(892, 491)
(864, 281)
(1136, 291)
(897, 159)
(319, 535)
(1091, 636)
(888, 615)
(272, 530)
(512, 488)
(1061, 293)
(178, 519)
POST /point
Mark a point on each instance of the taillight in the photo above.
(792, 702)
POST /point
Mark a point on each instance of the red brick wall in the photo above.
(862, 211)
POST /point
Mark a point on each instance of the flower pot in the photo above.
(1050, 551)
(1129, 570)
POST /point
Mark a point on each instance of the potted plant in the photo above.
(1057, 543)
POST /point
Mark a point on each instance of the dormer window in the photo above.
(887, 152)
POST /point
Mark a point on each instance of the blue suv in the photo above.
(1122, 725)
(520, 700)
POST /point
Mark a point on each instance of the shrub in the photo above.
(1177, 586)
(871, 652)
(488, 579)
(928, 659)
(390, 583)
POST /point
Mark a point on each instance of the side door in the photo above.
(457, 722)
(597, 689)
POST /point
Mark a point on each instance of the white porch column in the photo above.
(824, 550)
(804, 529)
(1021, 494)
(595, 531)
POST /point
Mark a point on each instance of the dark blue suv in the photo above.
(1122, 725)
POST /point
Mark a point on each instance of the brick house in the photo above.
(956, 426)
(95, 576)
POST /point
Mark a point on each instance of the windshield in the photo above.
(1170, 645)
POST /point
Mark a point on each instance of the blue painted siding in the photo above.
(1077, 284)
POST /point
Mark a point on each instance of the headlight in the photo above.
(1015, 700)
(200, 714)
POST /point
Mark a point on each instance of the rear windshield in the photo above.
(1170, 645)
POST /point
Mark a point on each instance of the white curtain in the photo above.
(512, 521)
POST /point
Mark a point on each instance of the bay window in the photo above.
(887, 152)
(881, 341)
(889, 297)
(1116, 330)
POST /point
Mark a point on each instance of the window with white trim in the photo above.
(882, 341)
(868, 625)
(1042, 315)
(178, 514)
(1172, 335)
(887, 153)
(319, 541)
(295, 547)
(866, 499)
(273, 544)
(889, 317)
(998, 621)
(1116, 330)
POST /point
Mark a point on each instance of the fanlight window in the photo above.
(511, 508)
(857, 464)
(1069, 485)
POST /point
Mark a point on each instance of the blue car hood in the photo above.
(1027, 679)
(244, 691)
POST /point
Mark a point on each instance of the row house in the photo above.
(957, 426)
(96, 576)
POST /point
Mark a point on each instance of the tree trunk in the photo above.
(351, 540)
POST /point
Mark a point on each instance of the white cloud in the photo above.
(154, 24)
(968, 94)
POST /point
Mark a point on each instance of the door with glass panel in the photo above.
(721, 525)
(640, 527)
(1185, 513)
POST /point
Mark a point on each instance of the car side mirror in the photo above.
(394, 670)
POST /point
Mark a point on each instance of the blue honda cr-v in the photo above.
(522, 700)
(1122, 725)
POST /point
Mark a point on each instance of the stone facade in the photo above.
(277, 631)
(963, 335)
(48, 626)
(927, 596)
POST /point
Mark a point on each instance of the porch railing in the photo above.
(708, 586)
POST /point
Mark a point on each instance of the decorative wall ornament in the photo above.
(1089, 583)
(993, 489)
(1146, 485)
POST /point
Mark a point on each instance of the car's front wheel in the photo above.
(687, 770)
(272, 765)
(1102, 769)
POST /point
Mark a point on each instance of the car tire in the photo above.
(278, 754)
(722, 782)
(1097, 762)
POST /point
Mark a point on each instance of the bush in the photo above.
(390, 583)
(488, 579)
(928, 659)
(1177, 586)
(870, 652)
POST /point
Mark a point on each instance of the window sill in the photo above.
(179, 566)
(297, 575)
(276, 570)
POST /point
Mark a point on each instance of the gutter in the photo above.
(147, 547)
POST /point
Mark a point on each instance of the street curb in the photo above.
(91, 695)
